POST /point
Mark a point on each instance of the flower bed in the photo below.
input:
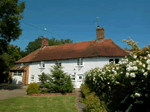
(49, 94)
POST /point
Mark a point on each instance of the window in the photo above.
(32, 77)
(110, 60)
(42, 64)
(39, 76)
(21, 65)
(18, 73)
(59, 63)
(73, 77)
(116, 61)
(80, 77)
(79, 61)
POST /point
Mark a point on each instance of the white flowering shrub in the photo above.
(126, 85)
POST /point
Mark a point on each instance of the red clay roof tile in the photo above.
(75, 50)
(18, 68)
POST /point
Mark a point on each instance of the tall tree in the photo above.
(10, 14)
(7, 61)
(36, 44)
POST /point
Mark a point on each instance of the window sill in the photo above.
(41, 67)
(79, 65)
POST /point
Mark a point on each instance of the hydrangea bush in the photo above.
(124, 86)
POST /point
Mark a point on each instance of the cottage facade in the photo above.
(75, 58)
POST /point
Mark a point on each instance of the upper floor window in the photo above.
(42, 65)
(79, 61)
(58, 63)
(114, 60)
(110, 60)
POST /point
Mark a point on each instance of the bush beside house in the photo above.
(33, 88)
(56, 82)
(123, 86)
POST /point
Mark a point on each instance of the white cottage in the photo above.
(76, 58)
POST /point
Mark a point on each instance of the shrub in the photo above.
(84, 90)
(59, 81)
(33, 88)
(43, 78)
(91, 101)
(124, 84)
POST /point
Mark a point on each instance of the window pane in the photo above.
(39, 76)
(72, 78)
(78, 61)
(116, 61)
(111, 60)
(32, 77)
(80, 77)
(81, 61)
(15, 73)
(43, 65)
(19, 74)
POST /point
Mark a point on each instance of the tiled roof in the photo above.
(75, 50)
(18, 68)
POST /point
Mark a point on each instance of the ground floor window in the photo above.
(73, 77)
(32, 77)
(17, 73)
(39, 76)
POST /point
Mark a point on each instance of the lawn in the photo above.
(39, 104)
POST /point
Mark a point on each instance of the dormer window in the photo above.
(79, 61)
(42, 64)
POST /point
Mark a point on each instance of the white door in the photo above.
(17, 77)
(79, 80)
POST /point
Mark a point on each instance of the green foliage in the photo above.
(10, 14)
(36, 44)
(11, 56)
(58, 81)
(43, 78)
(91, 101)
(33, 88)
(120, 85)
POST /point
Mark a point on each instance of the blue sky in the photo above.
(74, 19)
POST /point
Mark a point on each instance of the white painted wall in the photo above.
(70, 66)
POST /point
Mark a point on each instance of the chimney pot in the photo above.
(100, 35)
(44, 42)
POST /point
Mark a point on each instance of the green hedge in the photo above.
(91, 101)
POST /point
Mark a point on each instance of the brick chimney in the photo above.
(44, 42)
(100, 35)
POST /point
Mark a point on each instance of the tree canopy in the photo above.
(36, 44)
(10, 14)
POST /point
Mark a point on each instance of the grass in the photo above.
(39, 104)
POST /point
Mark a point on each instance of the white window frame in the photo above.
(73, 76)
(17, 73)
(33, 77)
(41, 64)
(80, 62)
(21, 65)
(39, 77)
